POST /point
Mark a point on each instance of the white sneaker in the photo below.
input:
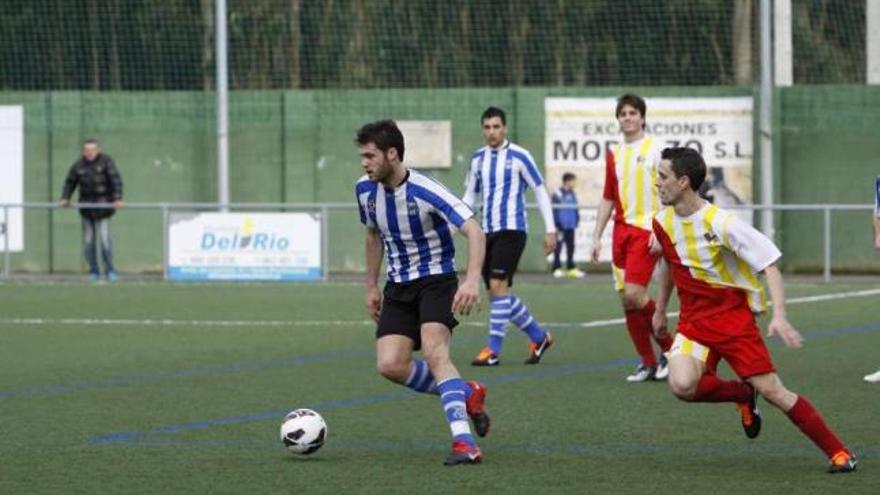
(558, 273)
(662, 369)
(641, 374)
(575, 273)
(873, 377)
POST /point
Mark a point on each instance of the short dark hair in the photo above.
(634, 101)
(494, 112)
(568, 176)
(91, 140)
(686, 161)
(384, 134)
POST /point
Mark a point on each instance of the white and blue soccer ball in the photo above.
(303, 431)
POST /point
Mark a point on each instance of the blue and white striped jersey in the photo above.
(500, 176)
(414, 222)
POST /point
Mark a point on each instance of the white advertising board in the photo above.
(580, 131)
(12, 176)
(244, 246)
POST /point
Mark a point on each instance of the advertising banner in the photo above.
(12, 177)
(580, 131)
(244, 246)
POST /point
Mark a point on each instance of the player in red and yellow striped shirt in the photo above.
(714, 259)
(630, 174)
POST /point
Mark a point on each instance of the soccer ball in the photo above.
(303, 431)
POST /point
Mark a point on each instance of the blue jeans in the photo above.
(564, 236)
(90, 227)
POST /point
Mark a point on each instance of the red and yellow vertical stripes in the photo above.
(702, 243)
(637, 175)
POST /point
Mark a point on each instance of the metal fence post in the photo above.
(826, 268)
(325, 241)
(7, 258)
(164, 241)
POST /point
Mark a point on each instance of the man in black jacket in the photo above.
(99, 182)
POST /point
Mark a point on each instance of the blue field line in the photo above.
(116, 381)
(839, 332)
(542, 373)
(123, 380)
(135, 437)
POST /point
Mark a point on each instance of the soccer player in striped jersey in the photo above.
(630, 173)
(500, 172)
(412, 217)
(875, 376)
(714, 260)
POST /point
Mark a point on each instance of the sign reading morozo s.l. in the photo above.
(580, 131)
(244, 246)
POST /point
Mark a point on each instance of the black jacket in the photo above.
(99, 182)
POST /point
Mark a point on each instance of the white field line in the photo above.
(150, 322)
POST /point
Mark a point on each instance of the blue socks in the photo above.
(499, 316)
(452, 396)
(420, 378)
(521, 317)
(510, 308)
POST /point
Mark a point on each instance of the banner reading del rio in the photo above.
(244, 246)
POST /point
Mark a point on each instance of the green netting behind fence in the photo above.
(162, 45)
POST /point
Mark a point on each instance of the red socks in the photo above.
(710, 388)
(810, 422)
(638, 322)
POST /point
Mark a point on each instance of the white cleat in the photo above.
(662, 372)
(558, 273)
(873, 377)
(641, 374)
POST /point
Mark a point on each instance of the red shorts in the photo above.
(733, 336)
(632, 263)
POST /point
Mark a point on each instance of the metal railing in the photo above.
(324, 208)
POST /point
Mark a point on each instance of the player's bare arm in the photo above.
(467, 297)
(604, 214)
(659, 321)
(779, 324)
(545, 205)
(549, 242)
(375, 251)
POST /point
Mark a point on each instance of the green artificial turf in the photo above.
(166, 388)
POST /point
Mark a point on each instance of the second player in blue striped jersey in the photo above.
(498, 177)
(416, 221)
(497, 182)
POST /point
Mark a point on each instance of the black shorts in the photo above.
(407, 305)
(503, 250)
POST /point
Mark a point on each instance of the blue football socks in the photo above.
(420, 378)
(522, 318)
(498, 318)
(452, 396)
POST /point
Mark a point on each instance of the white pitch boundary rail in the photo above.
(323, 209)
